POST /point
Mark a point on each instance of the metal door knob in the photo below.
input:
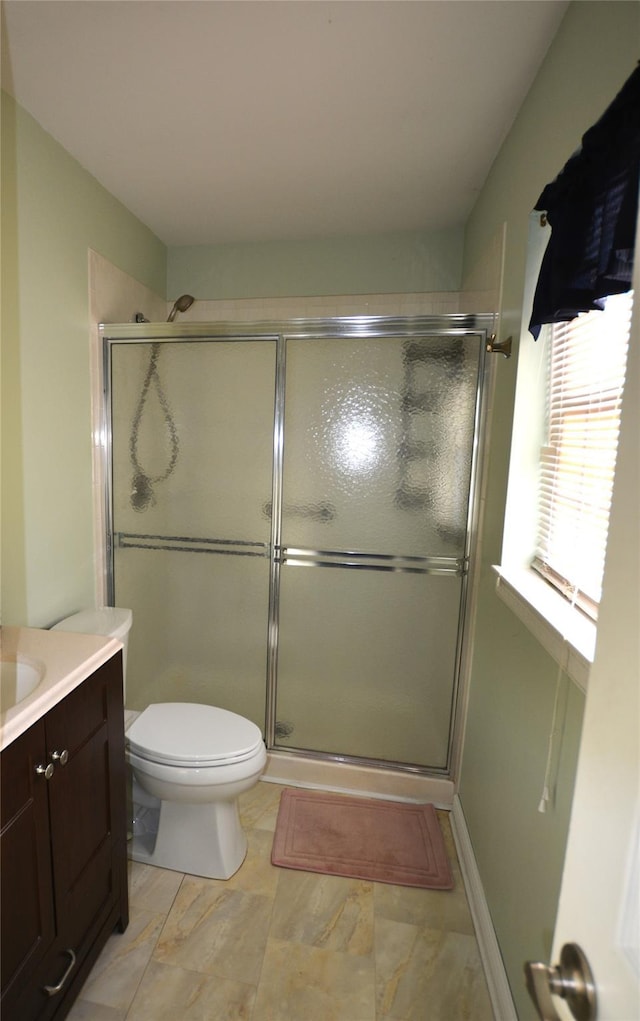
(572, 980)
(46, 771)
(61, 758)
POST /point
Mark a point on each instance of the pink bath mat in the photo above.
(362, 838)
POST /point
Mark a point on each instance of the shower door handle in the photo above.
(572, 980)
(299, 557)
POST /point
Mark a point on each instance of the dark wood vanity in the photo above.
(63, 847)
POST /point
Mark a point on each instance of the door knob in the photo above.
(572, 979)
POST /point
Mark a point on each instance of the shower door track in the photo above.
(278, 554)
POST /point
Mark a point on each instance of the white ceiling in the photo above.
(258, 120)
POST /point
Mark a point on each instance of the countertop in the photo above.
(68, 659)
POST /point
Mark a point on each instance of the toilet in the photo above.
(189, 764)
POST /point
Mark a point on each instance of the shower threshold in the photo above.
(350, 778)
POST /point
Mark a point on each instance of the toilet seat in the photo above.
(190, 735)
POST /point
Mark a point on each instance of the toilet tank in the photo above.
(110, 621)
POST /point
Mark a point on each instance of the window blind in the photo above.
(587, 359)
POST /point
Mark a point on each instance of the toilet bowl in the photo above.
(189, 763)
(195, 760)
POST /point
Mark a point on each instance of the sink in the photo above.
(19, 677)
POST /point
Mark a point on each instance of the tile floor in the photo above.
(274, 944)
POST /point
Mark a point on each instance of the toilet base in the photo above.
(202, 840)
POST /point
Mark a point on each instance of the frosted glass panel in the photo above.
(192, 460)
(199, 628)
(192, 456)
(378, 444)
(366, 663)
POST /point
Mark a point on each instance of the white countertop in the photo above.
(67, 658)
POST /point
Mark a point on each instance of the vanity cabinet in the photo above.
(63, 847)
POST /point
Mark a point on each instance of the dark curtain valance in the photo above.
(592, 208)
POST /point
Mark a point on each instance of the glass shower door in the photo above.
(377, 469)
(192, 455)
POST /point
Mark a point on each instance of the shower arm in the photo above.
(499, 347)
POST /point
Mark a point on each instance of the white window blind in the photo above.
(587, 359)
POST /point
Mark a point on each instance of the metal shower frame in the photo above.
(347, 327)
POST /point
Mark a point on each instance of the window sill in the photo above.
(563, 631)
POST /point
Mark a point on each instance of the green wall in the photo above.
(519, 850)
(53, 211)
(377, 264)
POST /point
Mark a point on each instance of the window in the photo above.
(586, 366)
(551, 613)
(558, 507)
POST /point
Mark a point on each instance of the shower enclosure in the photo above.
(290, 515)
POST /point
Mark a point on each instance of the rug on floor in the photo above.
(362, 838)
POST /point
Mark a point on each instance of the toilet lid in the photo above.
(189, 734)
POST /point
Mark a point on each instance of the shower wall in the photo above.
(290, 525)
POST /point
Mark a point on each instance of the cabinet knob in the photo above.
(60, 758)
(46, 771)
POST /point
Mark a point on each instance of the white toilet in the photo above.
(189, 762)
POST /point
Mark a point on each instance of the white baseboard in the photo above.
(499, 991)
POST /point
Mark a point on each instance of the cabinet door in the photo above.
(64, 866)
(87, 804)
(27, 884)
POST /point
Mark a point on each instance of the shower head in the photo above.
(184, 302)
